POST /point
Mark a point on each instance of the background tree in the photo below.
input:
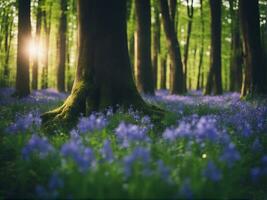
(62, 46)
(190, 14)
(104, 75)
(176, 71)
(236, 60)
(214, 78)
(255, 82)
(156, 41)
(24, 36)
(37, 43)
(143, 53)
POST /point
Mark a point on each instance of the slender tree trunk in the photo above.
(24, 36)
(156, 43)
(104, 75)
(47, 27)
(214, 77)
(255, 80)
(62, 47)
(176, 86)
(190, 14)
(144, 66)
(163, 72)
(37, 43)
(201, 52)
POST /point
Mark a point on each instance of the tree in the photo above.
(255, 81)
(156, 42)
(201, 52)
(47, 14)
(236, 60)
(62, 47)
(24, 36)
(37, 43)
(104, 74)
(190, 14)
(176, 86)
(214, 77)
(143, 29)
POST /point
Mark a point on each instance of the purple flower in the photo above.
(25, 122)
(127, 133)
(186, 190)
(230, 155)
(91, 123)
(255, 174)
(106, 151)
(83, 156)
(38, 145)
(55, 182)
(139, 154)
(211, 172)
(163, 170)
(256, 145)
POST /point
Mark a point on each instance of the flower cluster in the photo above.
(127, 133)
(37, 144)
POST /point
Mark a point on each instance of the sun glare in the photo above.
(35, 49)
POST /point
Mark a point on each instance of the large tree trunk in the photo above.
(143, 28)
(62, 47)
(215, 77)
(104, 75)
(255, 80)
(176, 86)
(24, 36)
(236, 60)
(37, 43)
(190, 14)
(156, 43)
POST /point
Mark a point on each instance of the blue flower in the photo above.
(163, 170)
(91, 123)
(186, 190)
(256, 145)
(139, 154)
(211, 172)
(255, 174)
(38, 145)
(230, 155)
(106, 151)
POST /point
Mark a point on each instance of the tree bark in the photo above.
(236, 60)
(163, 73)
(176, 86)
(255, 71)
(47, 28)
(24, 36)
(214, 76)
(104, 75)
(62, 47)
(156, 43)
(201, 52)
(190, 14)
(144, 66)
(37, 43)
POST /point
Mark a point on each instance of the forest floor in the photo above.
(206, 147)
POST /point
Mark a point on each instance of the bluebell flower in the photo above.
(139, 154)
(255, 173)
(91, 123)
(127, 133)
(211, 172)
(230, 155)
(106, 151)
(256, 145)
(186, 190)
(25, 122)
(163, 170)
(55, 182)
(37, 144)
